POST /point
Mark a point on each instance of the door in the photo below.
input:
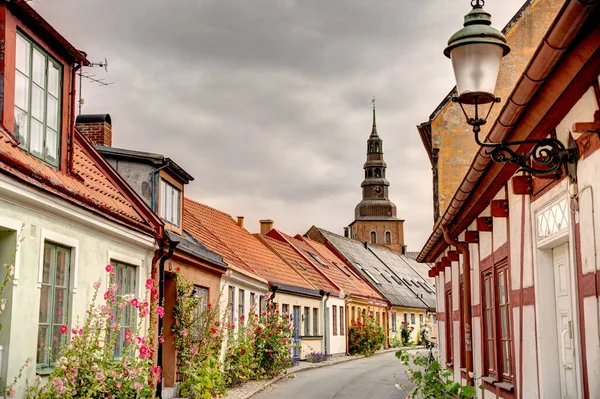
(296, 320)
(564, 321)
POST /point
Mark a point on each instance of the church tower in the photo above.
(375, 218)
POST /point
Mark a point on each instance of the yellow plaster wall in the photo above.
(450, 133)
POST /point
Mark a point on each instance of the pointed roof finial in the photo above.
(374, 130)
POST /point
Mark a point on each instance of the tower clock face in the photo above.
(377, 190)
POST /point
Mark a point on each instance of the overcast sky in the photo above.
(267, 102)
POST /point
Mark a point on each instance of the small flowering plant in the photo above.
(406, 330)
(87, 365)
(365, 337)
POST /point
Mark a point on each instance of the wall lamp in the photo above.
(476, 51)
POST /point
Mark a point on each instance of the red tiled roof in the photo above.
(242, 244)
(351, 283)
(93, 184)
(305, 269)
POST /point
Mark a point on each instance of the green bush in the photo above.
(365, 337)
(405, 331)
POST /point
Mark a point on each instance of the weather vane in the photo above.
(373, 101)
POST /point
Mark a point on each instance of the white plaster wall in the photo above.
(515, 204)
(476, 338)
(93, 242)
(337, 343)
(500, 236)
(456, 339)
(485, 238)
(583, 111)
(249, 285)
(588, 171)
(530, 380)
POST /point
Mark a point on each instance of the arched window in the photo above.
(373, 237)
(376, 147)
(370, 173)
(377, 172)
(388, 237)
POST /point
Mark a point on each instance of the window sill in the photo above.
(505, 385)
(488, 379)
(450, 365)
(311, 337)
(45, 371)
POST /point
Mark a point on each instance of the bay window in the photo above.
(37, 101)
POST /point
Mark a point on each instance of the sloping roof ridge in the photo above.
(505, 30)
(231, 252)
(194, 202)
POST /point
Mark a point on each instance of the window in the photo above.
(406, 317)
(394, 325)
(334, 319)
(388, 237)
(37, 101)
(371, 276)
(353, 313)
(306, 321)
(385, 277)
(200, 293)
(377, 318)
(315, 321)
(342, 321)
(434, 317)
(54, 302)
(252, 301)
(317, 258)
(373, 237)
(449, 328)
(301, 265)
(231, 305)
(241, 305)
(497, 328)
(285, 309)
(421, 318)
(126, 278)
(170, 203)
(262, 305)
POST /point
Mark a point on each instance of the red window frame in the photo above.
(334, 318)
(497, 327)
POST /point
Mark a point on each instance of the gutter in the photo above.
(559, 37)
(463, 248)
(326, 323)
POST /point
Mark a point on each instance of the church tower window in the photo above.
(388, 237)
(373, 237)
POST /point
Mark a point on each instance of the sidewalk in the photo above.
(251, 388)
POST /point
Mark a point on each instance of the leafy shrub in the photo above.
(395, 341)
(316, 357)
(86, 366)
(429, 380)
(365, 337)
(405, 331)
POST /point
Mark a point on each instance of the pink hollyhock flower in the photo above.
(144, 352)
(128, 335)
(109, 268)
(58, 385)
(185, 332)
(12, 392)
(149, 284)
(64, 329)
(137, 385)
(161, 339)
(243, 351)
(119, 384)
(285, 341)
(134, 302)
(80, 331)
(160, 311)
(97, 285)
(194, 351)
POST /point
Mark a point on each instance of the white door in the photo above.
(564, 321)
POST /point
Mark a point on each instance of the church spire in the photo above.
(374, 129)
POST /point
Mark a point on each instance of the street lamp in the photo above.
(476, 51)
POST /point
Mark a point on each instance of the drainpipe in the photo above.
(325, 323)
(463, 248)
(161, 298)
(71, 136)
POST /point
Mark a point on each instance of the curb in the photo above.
(318, 366)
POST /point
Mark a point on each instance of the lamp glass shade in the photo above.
(476, 67)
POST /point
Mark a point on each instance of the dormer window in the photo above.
(170, 203)
(37, 101)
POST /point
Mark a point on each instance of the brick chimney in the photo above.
(266, 225)
(96, 127)
(240, 221)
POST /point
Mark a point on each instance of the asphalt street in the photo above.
(372, 378)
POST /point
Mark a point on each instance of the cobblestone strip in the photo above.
(249, 389)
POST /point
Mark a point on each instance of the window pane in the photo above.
(488, 301)
(21, 91)
(490, 355)
(23, 52)
(53, 79)
(39, 68)
(37, 102)
(169, 204)
(488, 322)
(36, 138)
(57, 340)
(60, 302)
(505, 358)
(51, 146)
(21, 122)
(48, 255)
(163, 199)
(504, 321)
(52, 117)
(501, 288)
(45, 303)
(177, 206)
(42, 343)
(62, 268)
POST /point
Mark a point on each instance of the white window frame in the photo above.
(65, 241)
(164, 184)
(19, 228)
(132, 261)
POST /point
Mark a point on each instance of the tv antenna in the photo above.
(92, 78)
